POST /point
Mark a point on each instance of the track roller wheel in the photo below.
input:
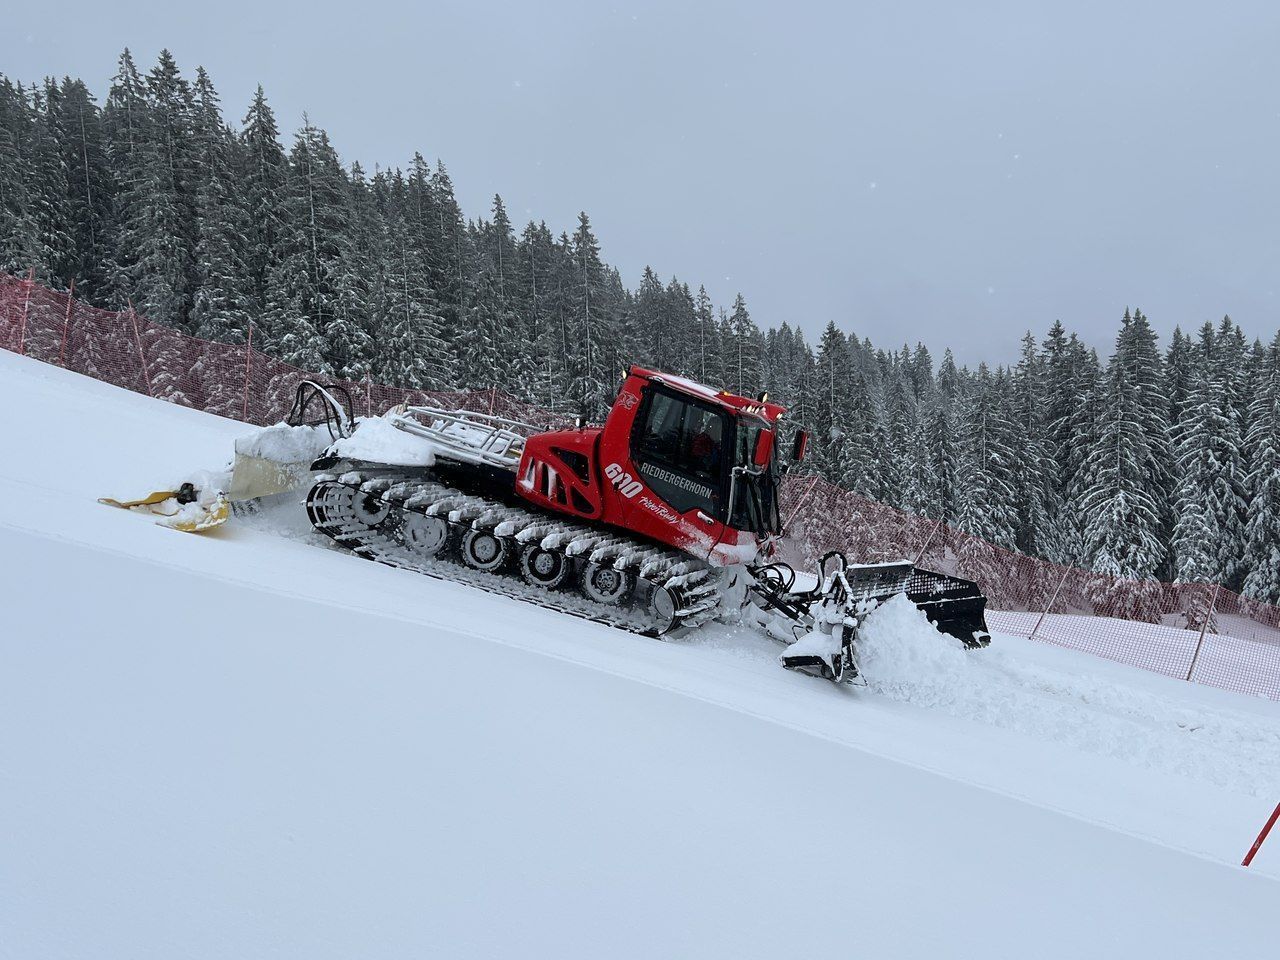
(481, 550)
(370, 509)
(605, 584)
(663, 604)
(426, 536)
(544, 568)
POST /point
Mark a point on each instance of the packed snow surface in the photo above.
(246, 744)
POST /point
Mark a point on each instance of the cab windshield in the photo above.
(755, 495)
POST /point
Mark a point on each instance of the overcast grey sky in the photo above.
(952, 173)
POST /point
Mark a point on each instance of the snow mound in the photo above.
(898, 646)
(905, 658)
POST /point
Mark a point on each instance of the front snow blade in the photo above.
(955, 606)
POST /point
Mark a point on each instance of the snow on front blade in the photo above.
(898, 646)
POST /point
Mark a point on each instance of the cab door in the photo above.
(679, 451)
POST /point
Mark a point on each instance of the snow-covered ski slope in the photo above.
(245, 744)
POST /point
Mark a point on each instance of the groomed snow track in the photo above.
(242, 745)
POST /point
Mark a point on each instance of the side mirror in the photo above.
(799, 445)
(763, 452)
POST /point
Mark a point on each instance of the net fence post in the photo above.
(142, 355)
(1049, 606)
(800, 503)
(368, 393)
(933, 531)
(66, 324)
(248, 359)
(26, 305)
(1204, 625)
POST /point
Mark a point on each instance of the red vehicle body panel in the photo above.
(590, 474)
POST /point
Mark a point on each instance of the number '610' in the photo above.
(627, 485)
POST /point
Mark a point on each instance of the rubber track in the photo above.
(373, 544)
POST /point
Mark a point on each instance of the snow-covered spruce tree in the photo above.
(351, 332)
(412, 351)
(20, 248)
(1074, 405)
(261, 188)
(788, 371)
(48, 189)
(902, 457)
(1059, 400)
(221, 308)
(173, 139)
(147, 132)
(496, 245)
(860, 444)
(1179, 374)
(483, 342)
(497, 290)
(592, 333)
(986, 504)
(1141, 356)
(679, 307)
(948, 378)
(933, 493)
(89, 186)
(449, 255)
(1257, 373)
(559, 305)
(1211, 479)
(743, 350)
(933, 489)
(1262, 550)
(536, 295)
(708, 337)
(304, 286)
(1033, 481)
(987, 499)
(651, 342)
(1122, 518)
(796, 376)
(834, 385)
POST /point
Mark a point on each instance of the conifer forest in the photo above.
(1161, 460)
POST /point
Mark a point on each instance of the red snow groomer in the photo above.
(663, 518)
